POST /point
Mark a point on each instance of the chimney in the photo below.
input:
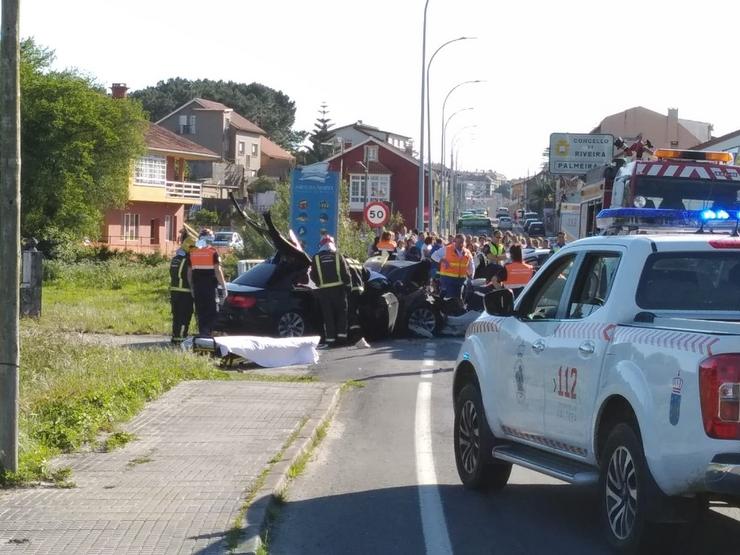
(672, 128)
(118, 90)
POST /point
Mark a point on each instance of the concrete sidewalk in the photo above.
(179, 487)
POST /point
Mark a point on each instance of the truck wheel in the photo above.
(473, 443)
(626, 488)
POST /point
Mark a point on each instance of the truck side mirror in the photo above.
(499, 302)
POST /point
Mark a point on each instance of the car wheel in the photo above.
(474, 441)
(422, 321)
(291, 324)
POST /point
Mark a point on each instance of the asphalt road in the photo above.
(384, 478)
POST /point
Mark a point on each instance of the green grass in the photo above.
(117, 440)
(71, 392)
(115, 296)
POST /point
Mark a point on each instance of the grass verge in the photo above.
(71, 392)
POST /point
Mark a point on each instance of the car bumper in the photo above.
(723, 474)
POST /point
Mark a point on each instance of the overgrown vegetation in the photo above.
(70, 392)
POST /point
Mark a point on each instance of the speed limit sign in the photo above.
(377, 214)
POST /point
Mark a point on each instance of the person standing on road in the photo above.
(205, 275)
(497, 254)
(330, 273)
(358, 276)
(455, 267)
(181, 297)
(517, 273)
(560, 243)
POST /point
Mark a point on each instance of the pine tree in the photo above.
(321, 135)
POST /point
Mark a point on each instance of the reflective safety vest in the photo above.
(457, 265)
(518, 274)
(203, 259)
(325, 267)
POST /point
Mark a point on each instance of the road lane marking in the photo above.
(434, 525)
(429, 362)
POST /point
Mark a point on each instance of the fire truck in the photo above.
(672, 179)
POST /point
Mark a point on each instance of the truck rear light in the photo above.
(241, 301)
(719, 388)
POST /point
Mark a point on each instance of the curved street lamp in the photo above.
(445, 199)
(429, 130)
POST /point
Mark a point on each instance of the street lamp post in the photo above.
(444, 197)
(429, 131)
(420, 209)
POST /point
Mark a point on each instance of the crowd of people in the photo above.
(498, 258)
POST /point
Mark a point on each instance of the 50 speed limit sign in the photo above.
(377, 214)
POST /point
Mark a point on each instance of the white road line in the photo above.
(434, 525)
(429, 362)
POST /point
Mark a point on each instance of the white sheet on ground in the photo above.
(457, 325)
(271, 352)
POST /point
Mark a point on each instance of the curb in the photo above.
(277, 479)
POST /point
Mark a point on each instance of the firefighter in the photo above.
(181, 298)
(455, 267)
(517, 273)
(205, 275)
(358, 276)
(330, 273)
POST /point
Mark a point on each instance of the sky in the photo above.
(548, 66)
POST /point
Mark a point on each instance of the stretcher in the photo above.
(268, 352)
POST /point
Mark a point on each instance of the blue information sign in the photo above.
(314, 204)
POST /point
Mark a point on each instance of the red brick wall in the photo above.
(147, 211)
(404, 192)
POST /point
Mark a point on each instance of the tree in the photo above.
(270, 109)
(320, 136)
(78, 148)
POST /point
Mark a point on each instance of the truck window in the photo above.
(593, 284)
(702, 281)
(687, 194)
(543, 300)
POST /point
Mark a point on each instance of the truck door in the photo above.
(526, 353)
(576, 353)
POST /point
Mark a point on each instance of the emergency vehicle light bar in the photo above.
(657, 217)
(670, 153)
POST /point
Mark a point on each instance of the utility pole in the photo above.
(10, 243)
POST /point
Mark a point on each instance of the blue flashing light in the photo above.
(723, 215)
(663, 214)
(708, 215)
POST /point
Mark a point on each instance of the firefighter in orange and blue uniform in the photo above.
(205, 275)
(455, 267)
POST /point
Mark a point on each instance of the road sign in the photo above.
(377, 214)
(576, 154)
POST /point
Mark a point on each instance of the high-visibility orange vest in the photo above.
(203, 259)
(457, 265)
(518, 274)
(386, 246)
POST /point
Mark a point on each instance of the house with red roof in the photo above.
(236, 140)
(159, 191)
(275, 160)
(391, 173)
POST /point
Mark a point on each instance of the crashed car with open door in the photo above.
(276, 297)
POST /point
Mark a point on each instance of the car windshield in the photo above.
(687, 194)
(223, 237)
(257, 276)
(702, 281)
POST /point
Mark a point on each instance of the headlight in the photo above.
(640, 202)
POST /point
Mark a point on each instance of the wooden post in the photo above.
(10, 244)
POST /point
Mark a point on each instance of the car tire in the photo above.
(291, 323)
(474, 441)
(425, 319)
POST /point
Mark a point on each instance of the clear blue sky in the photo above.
(549, 66)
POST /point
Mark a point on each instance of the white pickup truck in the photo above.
(618, 365)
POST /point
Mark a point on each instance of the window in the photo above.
(130, 227)
(186, 124)
(371, 153)
(380, 189)
(255, 149)
(705, 281)
(543, 299)
(154, 231)
(242, 147)
(151, 170)
(595, 280)
(170, 224)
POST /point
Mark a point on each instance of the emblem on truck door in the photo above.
(675, 405)
(519, 373)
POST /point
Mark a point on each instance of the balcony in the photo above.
(182, 190)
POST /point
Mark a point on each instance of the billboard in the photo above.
(577, 154)
(314, 204)
(570, 220)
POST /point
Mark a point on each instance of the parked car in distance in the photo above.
(536, 229)
(228, 239)
(505, 222)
